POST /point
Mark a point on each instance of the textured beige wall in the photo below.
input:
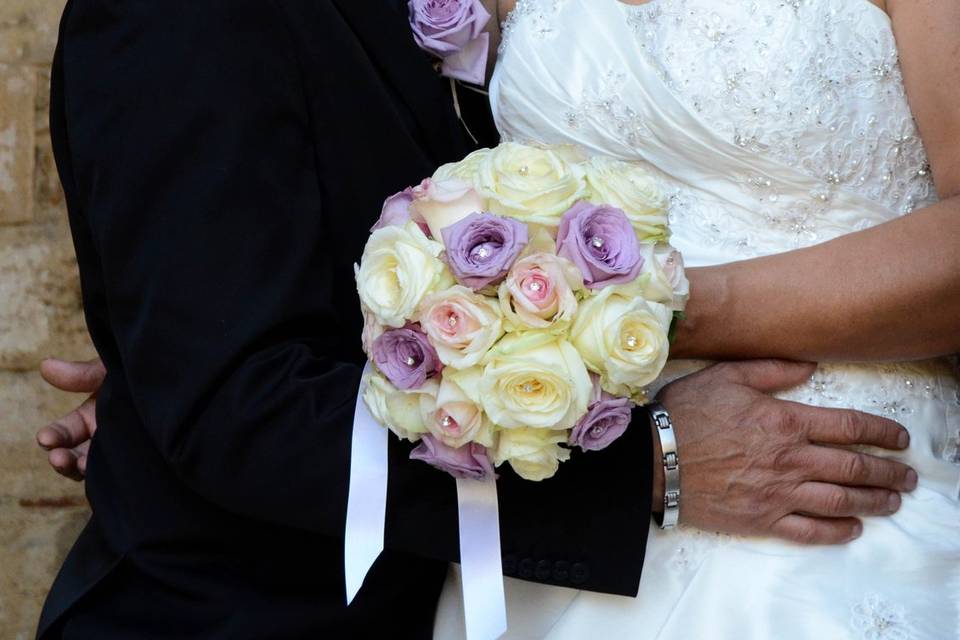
(40, 315)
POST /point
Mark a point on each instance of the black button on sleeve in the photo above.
(561, 571)
(579, 573)
(543, 571)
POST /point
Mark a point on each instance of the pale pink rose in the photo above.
(456, 419)
(538, 292)
(443, 203)
(671, 261)
(462, 325)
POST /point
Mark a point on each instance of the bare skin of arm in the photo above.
(891, 292)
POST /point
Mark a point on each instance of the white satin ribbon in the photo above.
(484, 604)
(367, 500)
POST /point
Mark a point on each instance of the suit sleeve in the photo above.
(194, 162)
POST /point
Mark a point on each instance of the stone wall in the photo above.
(40, 512)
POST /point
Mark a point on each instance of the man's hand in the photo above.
(754, 465)
(68, 438)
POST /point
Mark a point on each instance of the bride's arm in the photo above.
(890, 292)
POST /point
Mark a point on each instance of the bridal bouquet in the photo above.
(516, 305)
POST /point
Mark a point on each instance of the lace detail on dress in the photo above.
(813, 105)
(606, 103)
(692, 546)
(541, 13)
(876, 619)
(896, 389)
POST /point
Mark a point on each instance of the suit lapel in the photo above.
(382, 28)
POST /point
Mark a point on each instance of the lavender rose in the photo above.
(453, 31)
(469, 461)
(600, 240)
(406, 357)
(397, 211)
(605, 421)
(482, 247)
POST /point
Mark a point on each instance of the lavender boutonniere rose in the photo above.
(482, 247)
(601, 242)
(452, 30)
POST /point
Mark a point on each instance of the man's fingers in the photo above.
(65, 462)
(844, 426)
(850, 468)
(70, 431)
(769, 376)
(78, 377)
(807, 530)
(834, 501)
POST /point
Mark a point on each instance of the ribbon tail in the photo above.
(367, 498)
(484, 604)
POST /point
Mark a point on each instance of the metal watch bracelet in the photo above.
(661, 421)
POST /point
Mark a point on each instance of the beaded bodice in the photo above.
(764, 91)
(772, 124)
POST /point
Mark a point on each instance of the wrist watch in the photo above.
(660, 418)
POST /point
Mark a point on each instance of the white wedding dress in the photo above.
(772, 124)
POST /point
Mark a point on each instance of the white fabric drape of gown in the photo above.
(771, 124)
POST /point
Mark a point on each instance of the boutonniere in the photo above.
(453, 32)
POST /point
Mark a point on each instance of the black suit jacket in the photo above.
(223, 161)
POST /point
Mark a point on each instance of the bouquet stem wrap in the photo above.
(484, 603)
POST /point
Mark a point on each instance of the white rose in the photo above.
(623, 338)
(398, 410)
(467, 169)
(530, 184)
(461, 325)
(442, 203)
(455, 416)
(399, 267)
(628, 187)
(535, 454)
(535, 379)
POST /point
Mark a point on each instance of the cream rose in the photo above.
(530, 184)
(467, 169)
(372, 330)
(628, 187)
(623, 338)
(399, 267)
(662, 278)
(454, 415)
(535, 454)
(538, 292)
(442, 203)
(534, 379)
(400, 411)
(462, 325)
